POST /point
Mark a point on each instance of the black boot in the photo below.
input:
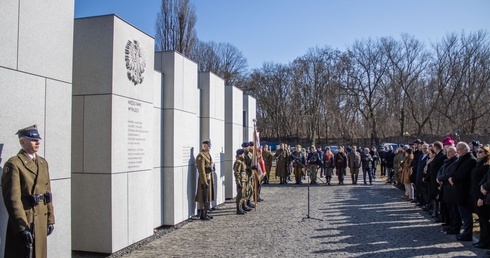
(245, 207)
(250, 204)
(207, 215)
(203, 215)
(239, 210)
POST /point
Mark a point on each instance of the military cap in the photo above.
(239, 152)
(30, 133)
(245, 144)
(250, 144)
(207, 142)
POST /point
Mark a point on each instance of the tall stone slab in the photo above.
(36, 87)
(249, 114)
(213, 127)
(233, 135)
(112, 134)
(181, 143)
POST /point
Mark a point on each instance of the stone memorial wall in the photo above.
(213, 127)
(36, 88)
(233, 135)
(121, 124)
(112, 132)
(181, 144)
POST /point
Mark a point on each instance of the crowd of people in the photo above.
(447, 179)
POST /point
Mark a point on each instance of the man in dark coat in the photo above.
(419, 183)
(461, 181)
(451, 218)
(26, 189)
(435, 165)
(417, 145)
(390, 157)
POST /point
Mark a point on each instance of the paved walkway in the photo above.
(358, 221)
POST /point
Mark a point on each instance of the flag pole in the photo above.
(255, 163)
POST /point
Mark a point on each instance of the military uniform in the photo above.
(268, 164)
(205, 187)
(26, 190)
(299, 163)
(241, 181)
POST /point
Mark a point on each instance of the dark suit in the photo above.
(462, 183)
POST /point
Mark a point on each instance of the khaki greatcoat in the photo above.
(21, 178)
(203, 162)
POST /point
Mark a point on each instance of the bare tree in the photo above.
(175, 27)
(409, 62)
(367, 73)
(223, 59)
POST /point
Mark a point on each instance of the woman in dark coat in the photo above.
(479, 177)
(340, 160)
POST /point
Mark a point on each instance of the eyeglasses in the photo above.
(480, 152)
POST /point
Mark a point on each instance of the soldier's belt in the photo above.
(35, 199)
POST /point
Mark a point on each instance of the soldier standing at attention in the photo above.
(268, 163)
(26, 190)
(205, 192)
(241, 181)
(248, 155)
(299, 163)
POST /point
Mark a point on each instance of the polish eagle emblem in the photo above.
(135, 62)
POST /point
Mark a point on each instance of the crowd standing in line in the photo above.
(448, 179)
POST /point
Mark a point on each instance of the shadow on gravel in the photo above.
(375, 222)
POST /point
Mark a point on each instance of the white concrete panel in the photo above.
(92, 213)
(156, 197)
(140, 57)
(92, 55)
(140, 205)
(233, 135)
(132, 135)
(59, 242)
(180, 81)
(97, 134)
(157, 89)
(13, 108)
(213, 127)
(77, 134)
(179, 191)
(46, 38)
(120, 211)
(158, 137)
(9, 25)
(58, 128)
(249, 108)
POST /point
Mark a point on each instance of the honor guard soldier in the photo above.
(248, 162)
(205, 185)
(239, 168)
(26, 190)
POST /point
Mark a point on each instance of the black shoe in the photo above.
(464, 238)
(452, 232)
(239, 211)
(246, 208)
(260, 200)
(481, 245)
(250, 204)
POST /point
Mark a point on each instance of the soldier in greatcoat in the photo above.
(26, 189)
(282, 161)
(205, 184)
